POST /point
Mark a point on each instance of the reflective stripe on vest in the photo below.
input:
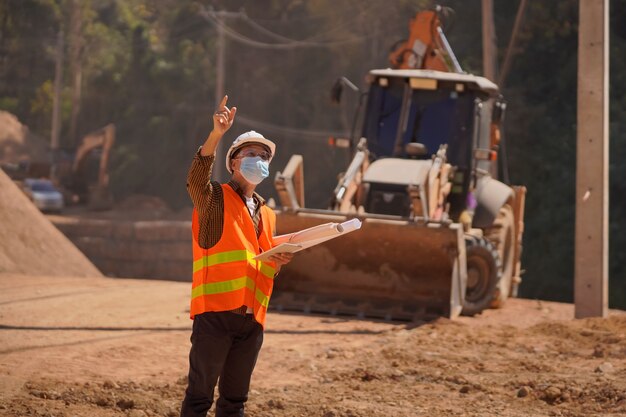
(228, 286)
(226, 276)
(232, 256)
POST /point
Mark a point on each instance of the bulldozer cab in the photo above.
(398, 114)
(411, 114)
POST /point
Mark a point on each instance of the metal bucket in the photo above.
(391, 268)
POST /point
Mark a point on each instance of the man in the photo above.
(230, 290)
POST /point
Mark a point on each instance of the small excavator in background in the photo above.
(86, 177)
(440, 235)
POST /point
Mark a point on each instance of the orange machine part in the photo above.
(421, 50)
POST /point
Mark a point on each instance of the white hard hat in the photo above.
(248, 138)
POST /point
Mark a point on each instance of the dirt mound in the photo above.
(17, 142)
(12, 130)
(30, 244)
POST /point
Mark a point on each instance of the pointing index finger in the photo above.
(223, 102)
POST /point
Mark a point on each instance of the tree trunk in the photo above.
(76, 55)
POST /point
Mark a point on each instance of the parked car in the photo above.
(43, 194)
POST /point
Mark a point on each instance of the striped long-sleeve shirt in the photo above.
(208, 199)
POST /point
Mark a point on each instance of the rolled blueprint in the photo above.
(295, 242)
(318, 234)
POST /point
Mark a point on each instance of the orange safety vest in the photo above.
(225, 276)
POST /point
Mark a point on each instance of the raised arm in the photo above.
(199, 184)
(223, 119)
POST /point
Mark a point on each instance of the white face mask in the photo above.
(254, 169)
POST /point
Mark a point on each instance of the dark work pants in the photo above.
(224, 345)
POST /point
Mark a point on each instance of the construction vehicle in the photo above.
(441, 235)
(86, 176)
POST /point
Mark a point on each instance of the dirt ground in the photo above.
(118, 347)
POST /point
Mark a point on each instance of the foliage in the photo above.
(542, 139)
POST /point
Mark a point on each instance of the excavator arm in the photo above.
(99, 196)
(426, 47)
(104, 139)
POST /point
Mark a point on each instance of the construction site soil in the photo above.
(118, 347)
(96, 346)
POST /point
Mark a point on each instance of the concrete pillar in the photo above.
(592, 162)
